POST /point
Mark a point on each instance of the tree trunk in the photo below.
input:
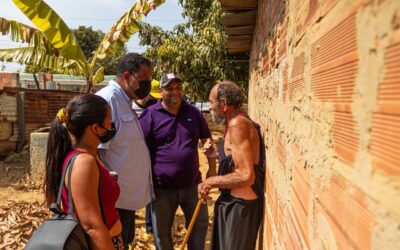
(36, 81)
(89, 88)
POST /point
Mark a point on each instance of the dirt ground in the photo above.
(22, 205)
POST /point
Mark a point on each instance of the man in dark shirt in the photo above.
(172, 129)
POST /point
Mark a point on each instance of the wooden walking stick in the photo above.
(196, 213)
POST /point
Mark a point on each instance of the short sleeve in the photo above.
(145, 121)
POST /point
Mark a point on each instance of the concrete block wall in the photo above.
(38, 151)
(325, 87)
(8, 122)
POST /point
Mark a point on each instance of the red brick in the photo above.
(306, 15)
(271, 198)
(345, 136)
(296, 83)
(265, 63)
(339, 240)
(345, 206)
(281, 152)
(283, 38)
(295, 236)
(268, 225)
(281, 223)
(385, 132)
(300, 194)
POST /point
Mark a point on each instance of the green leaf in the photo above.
(39, 58)
(124, 28)
(98, 76)
(20, 32)
(53, 28)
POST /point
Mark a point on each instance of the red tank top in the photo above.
(109, 193)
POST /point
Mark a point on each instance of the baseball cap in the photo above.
(155, 91)
(167, 78)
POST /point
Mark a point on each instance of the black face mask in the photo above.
(108, 134)
(151, 102)
(144, 89)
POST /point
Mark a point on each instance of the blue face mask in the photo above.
(108, 134)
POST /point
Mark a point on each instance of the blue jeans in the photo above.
(163, 213)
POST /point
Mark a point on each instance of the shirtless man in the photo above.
(238, 210)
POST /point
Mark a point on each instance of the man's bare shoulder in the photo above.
(241, 122)
(240, 127)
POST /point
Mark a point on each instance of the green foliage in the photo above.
(53, 47)
(48, 23)
(196, 50)
(110, 63)
(89, 40)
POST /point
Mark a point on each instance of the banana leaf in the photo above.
(39, 58)
(98, 76)
(20, 32)
(124, 28)
(53, 28)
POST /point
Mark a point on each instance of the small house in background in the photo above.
(59, 82)
(24, 108)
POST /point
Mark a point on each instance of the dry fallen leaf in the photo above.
(27, 184)
(18, 221)
(25, 217)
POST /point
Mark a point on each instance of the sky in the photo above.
(100, 14)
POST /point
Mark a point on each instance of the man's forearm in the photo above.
(229, 181)
(212, 167)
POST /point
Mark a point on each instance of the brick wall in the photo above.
(40, 108)
(9, 80)
(325, 87)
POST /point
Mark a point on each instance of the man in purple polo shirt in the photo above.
(172, 129)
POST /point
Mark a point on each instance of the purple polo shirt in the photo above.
(172, 142)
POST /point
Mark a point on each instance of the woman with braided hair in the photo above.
(76, 131)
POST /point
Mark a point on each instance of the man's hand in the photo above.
(202, 190)
(209, 149)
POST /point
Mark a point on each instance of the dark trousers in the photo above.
(127, 218)
(163, 210)
(149, 225)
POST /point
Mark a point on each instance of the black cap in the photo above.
(167, 78)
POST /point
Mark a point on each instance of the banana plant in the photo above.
(52, 45)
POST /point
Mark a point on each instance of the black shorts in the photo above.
(236, 223)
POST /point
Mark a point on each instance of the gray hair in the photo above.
(231, 92)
